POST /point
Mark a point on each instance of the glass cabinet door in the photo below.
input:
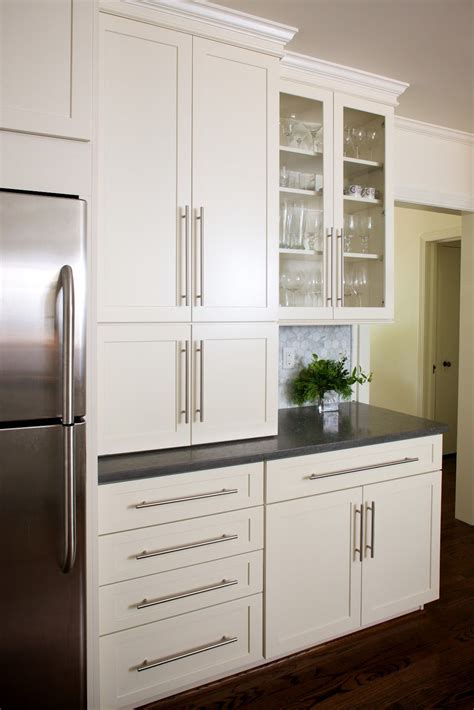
(306, 139)
(363, 210)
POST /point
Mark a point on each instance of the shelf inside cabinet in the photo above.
(357, 255)
(364, 163)
(298, 253)
(300, 151)
(295, 191)
(355, 204)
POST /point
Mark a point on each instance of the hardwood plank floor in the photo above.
(423, 660)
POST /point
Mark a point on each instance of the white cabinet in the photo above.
(313, 574)
(235, 130)
(144, 172)
(187, 177)
(165, 385)
(46, 58)
(402, 531)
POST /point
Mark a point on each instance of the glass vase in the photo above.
(329, 403)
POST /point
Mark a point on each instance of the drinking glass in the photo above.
(285, 286)
(284, 219)
(314, 286)
(351, 225)
(358, 136)
(296, 226)
(314, 130)
(284, 177)
(365, 233)
(348, 144)
(312, 232)
(371, 137)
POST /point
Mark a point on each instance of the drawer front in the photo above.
(165, 499)
(320, 473)
(137, 553)
(160, 596)
(158, 659)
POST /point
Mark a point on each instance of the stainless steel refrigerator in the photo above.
(42, 451)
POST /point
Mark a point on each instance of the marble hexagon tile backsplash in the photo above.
(327, 341)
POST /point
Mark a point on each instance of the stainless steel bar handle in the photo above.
(370, 547)
(201, 649)
(185, 282)
(200, 409)
(70, 540)
(200, 292)
(328, 279)
(340, 268)
(358, 550)
(66, 282)
(202, 590)
(184, 499)
(369, 467)
(213, 541)
(184, 411)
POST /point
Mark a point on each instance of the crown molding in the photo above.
(345, 78)
(207, 19)
(410, 125)
(431, 198)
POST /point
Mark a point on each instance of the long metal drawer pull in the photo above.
(200, 410)
(200, 295)
(185, 295)
(225, 583)
(340, 268)
(201, 649)
(184, 499)
(184, 411)
(371, 547)
(328, 284)
(191, 546)
(314, 476)
(358, 550)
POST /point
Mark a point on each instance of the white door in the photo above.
(144, 172)
(235, 183)
(235, 381)
(46, 79)
(447, 340)
(143, 396)
(313, 570)
(400, 570)
(363, 210)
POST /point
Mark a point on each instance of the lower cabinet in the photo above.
(163, 386)
(341, 560)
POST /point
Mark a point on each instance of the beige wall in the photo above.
(395, 348)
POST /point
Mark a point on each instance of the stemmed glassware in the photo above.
(371, 138)
(367, 231)
(314, 130)
(351, 225)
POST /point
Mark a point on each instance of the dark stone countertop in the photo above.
(301, 431)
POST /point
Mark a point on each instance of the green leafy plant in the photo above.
(322, 376)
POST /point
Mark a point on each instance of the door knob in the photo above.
(446, 363)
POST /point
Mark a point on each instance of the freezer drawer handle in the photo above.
(191, 546)
(69, 501)
(315, 476)
(201, 649)
(66, 282)
(184, 499)
(225, 583)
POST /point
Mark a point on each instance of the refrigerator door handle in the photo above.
(66, 282)
(70, 540)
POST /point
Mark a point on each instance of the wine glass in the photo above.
(348, 144)
(371, 138)
(358, 136)
(314, 285)
(366, 233)
(285, 285)
(314, 130)
(350, 229)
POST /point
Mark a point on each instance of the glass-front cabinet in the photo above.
(336, 207)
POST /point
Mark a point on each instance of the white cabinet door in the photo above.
(143, 371)
(401, 549)
(313, 571)
(235, 183)
(235, 387)
(46, 58)
(144, 172)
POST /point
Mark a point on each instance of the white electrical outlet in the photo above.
(288, 358)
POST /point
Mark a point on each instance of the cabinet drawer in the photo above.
(158, 659)
(320, 473)
(136, 504)
(137, 553)
(160, 596)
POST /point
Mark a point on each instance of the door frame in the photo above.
(425, 395)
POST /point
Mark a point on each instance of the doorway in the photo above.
(442, 299)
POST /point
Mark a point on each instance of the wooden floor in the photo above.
(423, 660)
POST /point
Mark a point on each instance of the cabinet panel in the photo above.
(142, 387)
(313, 574)
(236, 381)
(402, 525)
(234, 182)
(144, 171)
(47, 67)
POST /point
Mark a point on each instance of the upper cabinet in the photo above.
(188, 177)
(46, 58)
(336, 194)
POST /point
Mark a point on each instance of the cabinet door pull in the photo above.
(370, 547)
(225, 641)
(225, 583)
(340, 268)
(184, 411)
(358, 550)
(328, 278)
(200, 290)
(213, 541)
(184, 499)
(200, 410)
(369, 467)
(185, 281)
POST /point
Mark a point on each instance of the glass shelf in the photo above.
(300, 151)
(297, 191)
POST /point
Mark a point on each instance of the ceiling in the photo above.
(428, 43)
